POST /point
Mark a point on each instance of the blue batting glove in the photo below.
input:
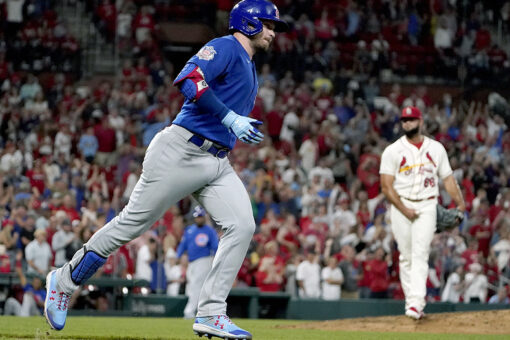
(243, 127)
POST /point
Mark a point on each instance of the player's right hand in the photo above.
(411, 214)
(243, 127)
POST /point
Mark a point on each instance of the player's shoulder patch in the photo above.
(206, 53)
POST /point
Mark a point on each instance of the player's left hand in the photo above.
(243, 127)
(448, 219)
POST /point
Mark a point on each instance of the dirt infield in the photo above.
(486, 322)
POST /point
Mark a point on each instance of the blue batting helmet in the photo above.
(199, 211)
(246, 17)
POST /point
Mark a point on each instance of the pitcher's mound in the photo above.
(486, 322)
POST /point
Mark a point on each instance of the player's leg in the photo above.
(197, 271)
(12, 307)
(228, 204)
(29, 306)
(190, 292)
(423, 230)
(169, 175)
(401, 227)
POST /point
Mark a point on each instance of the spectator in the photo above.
(476, 284)
(501, 297)
(107, 16)
(175, 272)
(443, 38)
(39, 106)
(107, 143)
(33, 296)
(158, 281)
(454, 286)
(145, 256)
(266, 77)
(30, 89)
(289, 125)
(332, 280)
(124, 21)
(5, 260)
(350, 272)
(287, 237)
(269, 276)
(88, 145)
(502, 248)
(290, 275)
(135, 171)
(433, 279)
(144, 25)
(8, 160)
(308, 276)
(344, 216)
(25, 225)
(61, 240)
(8, 237)
(377, 270)
(38, 254)
(309, 152)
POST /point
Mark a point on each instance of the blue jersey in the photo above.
(198, 242)
(231, 75)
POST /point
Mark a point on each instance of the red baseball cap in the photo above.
(410, 112)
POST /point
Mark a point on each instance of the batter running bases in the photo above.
(410, 171)
(189, 158)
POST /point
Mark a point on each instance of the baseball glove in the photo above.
(448, 219)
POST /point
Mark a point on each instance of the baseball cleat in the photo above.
(219, 326)
(414, 313)
(56, 303)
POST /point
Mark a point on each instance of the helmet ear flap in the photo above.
(250, 26)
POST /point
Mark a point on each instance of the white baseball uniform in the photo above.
(416, 172)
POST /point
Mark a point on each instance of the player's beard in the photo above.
(260, 44)
(412, 132)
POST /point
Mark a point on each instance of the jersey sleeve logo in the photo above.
(206, 53)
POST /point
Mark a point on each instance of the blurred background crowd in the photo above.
(71, 151)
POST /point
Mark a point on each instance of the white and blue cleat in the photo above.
(219, 326)
(56, 303)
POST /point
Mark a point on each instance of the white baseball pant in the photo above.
(413, 239)
(174, 168)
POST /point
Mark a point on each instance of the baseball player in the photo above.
(189, 158)
(201, 242)
(410, 171)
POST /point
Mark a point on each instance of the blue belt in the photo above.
(215, 149)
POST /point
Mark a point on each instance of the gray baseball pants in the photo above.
(195, 276)
(174, 168)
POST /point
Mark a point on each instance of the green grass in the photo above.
(179, 329)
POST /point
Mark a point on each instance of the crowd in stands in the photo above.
(34, 39)
(458, 40)
(70, 156)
